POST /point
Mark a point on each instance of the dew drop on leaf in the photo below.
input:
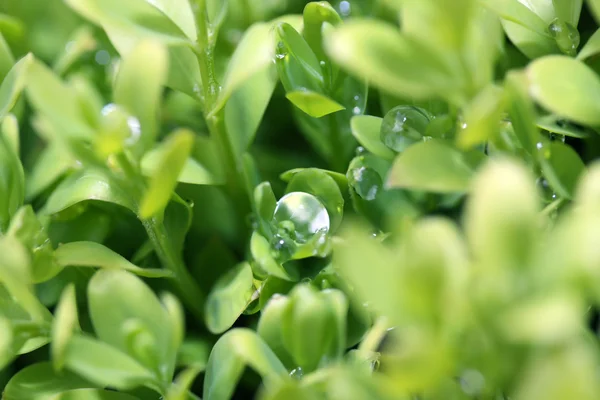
(304, 212)
(366, 182)
(566, 36)
(403, 126)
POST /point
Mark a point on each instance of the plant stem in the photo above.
(191, 293)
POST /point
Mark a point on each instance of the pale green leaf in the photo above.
(162, 184)
(91, 254)
(314, 104)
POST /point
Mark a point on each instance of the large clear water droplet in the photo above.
(301, 215)
(402, 126)
(566, 36)
(366, 182)
(297, 373)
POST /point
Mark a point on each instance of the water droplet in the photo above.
(297, 373)
(403, 126)
(366, 182)
(356, 98)
(356, 110)
(135, 129)
(109, 108)
(464, 125)
(360, 151)
(345, 8)
(307, 214)
(102, 57)
(280, 51)
(69, 46)
(566, 36)
(472, 382)
(539, 145)
(322, 63)
(544, 187)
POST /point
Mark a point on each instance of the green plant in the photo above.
(411, 214)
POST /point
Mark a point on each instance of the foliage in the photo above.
(369, 199)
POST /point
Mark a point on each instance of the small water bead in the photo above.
(472, 382)
(366, 182)
(403, 126)
(114, 118)
(566, 36)
(359, 151)
(345, 8)
(102, 57)
(297, 373)
(305, 212)
(356, 110)
(280, 51)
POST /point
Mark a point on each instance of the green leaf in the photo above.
(52, 163)
(13, 83)
(432, 166)
(315, 15)
(577, 98)
(269, 326)
(91, 254)
(562, 167)
(56, 101)
(557, 125)
(81, 42)
(137, 16)
(40, 382)
(297, 47)
(261, 251)
(515, 11)
(228, 298)
(105, 365)
(252, 55)
(162, 184)
(501, 218)
(314, 104)
(308, 327)
(26, 227)
(180, 12)
(522, 112)
(94, 394)
(139, 86)
(395, 63)
(15, 275)
(591, 48)
(183, 382)
(7, 59)
(265, 203)
(366, 129)
(245, 109)
(340, 179)
(234, 351)
(526, 24)
(127, 315)
(192, 172)
(64, 324)
(12, 185)
(568, 10)
(89, 184)
(594, 6)
(10, 132)
(482, 117)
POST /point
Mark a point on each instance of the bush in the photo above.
(414, 213)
